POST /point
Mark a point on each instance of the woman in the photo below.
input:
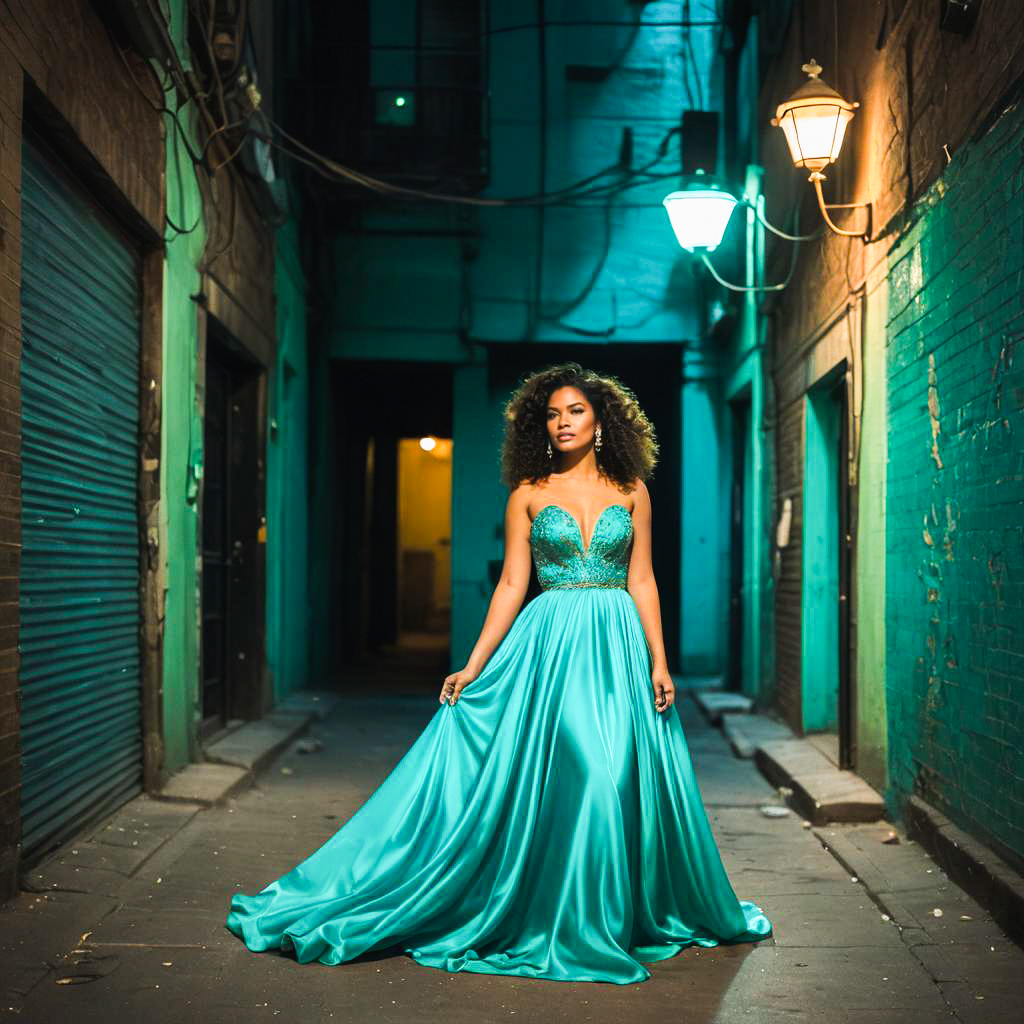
(546, 823)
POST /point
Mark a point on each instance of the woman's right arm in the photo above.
(508, 594)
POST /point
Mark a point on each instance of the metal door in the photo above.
(79, 643)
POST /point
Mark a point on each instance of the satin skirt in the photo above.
(547, 825)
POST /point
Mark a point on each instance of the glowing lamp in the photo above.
(699, 213)
(814, 120)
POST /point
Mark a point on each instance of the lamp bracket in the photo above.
(816, 178)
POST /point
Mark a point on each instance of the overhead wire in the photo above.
(325, 166)
(334, 168)
(692, 64)
(763, 287)
(589, 187)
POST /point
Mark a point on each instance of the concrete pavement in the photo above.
(141, 936)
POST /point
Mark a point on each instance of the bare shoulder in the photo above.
(641, 496)
(519, 499)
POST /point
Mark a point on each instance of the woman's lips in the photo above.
(566, 437)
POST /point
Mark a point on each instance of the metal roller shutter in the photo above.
(81, 734)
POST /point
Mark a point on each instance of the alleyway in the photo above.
(152, 945)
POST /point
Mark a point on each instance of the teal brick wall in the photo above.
(955, 506)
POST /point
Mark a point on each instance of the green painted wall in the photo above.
(745, 381)
(704, 528)
(955, 493)
(869, 572)
(288, 548)
(181, 444)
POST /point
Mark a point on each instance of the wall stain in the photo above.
(933, 409)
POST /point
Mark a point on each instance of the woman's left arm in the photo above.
(644, 591)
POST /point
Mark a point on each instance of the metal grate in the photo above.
(79, 590)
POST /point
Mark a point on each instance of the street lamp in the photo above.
(699, 213)
(814, 120)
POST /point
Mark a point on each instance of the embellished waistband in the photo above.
(573, 586)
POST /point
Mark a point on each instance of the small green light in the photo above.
(399, 101)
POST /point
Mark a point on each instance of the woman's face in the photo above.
(570, 420)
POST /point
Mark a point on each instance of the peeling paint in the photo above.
(955, 518)
(916, 273)
(933, 409)
(997, 575)
(951, 520)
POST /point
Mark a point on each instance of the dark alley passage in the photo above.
(638, 381)
(152, 945)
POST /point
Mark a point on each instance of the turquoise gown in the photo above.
(548, 824)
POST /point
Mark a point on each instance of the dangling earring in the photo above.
(550, 453)
(597, 440)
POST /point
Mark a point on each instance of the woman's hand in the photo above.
(454, 684)
(664, 690)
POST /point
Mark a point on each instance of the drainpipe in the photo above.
(751, 330)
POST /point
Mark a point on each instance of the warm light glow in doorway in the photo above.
(424, 535)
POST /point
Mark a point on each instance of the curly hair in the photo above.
(629, 447)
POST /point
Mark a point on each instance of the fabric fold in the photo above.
(547, 825)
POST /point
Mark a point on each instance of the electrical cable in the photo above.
(764, 287)
(604, 24)
(693, 57)
(399, 193)
(576, 190)
(157, 106)
(215, 79)
(377, 185)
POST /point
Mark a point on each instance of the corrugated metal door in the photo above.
(81, 733)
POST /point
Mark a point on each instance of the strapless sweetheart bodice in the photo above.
(560, 559)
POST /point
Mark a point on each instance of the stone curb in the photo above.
(232, 763)
(972, 865)
(821, 791)
(716, 703)
(745, 732)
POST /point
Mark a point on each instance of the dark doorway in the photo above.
(233, 552)
(378, 407)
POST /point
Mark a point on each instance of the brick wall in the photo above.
(60, 52)
(789, 482)
(955, 522)
(923, 96)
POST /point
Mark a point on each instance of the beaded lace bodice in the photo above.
(558, 555)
